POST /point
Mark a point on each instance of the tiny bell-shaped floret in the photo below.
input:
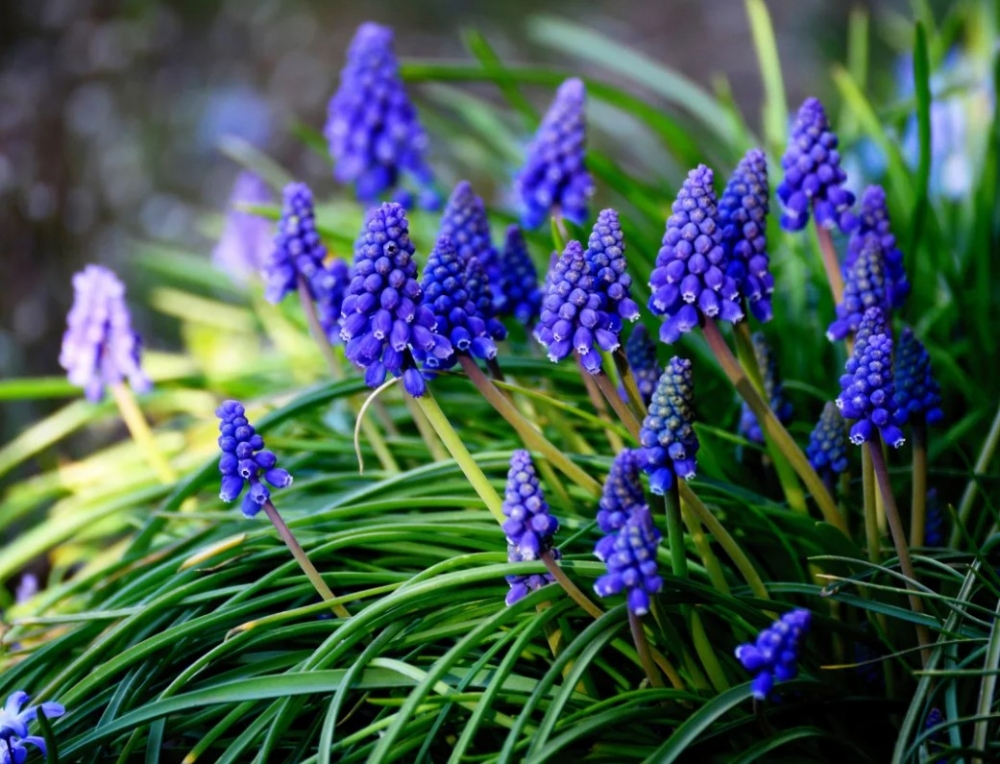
(827, 449)
(630, 554)
(554, 177)
(743, 211)
(813, 175)
(689, 281)
(464, 221)
(622, 491)
(667, 436)
(606, 255)
(868, 391)
(521, 297)
(529, 525)
(917, 392)
(298, 250)
(865, 287)
(874, 219)
(245, 460)
(773, 389)
(775, 654)
(14, 721)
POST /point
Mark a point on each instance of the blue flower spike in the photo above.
(246, 239)
(554, 178)
(865, 287)
(245, 460)
(813, 176)
(383, 315)
(606, 255)
(868, 391)
(529, 527)
(690, 279)
(99, 347)
(483, 301)
(874, 219)
(775, 654)
(631, 561)
(372, 128)
(298, 249)
(464, 221)
(640, 351)
(768, 364)
(573, 317)
(622, 491)
(15, 718)
(743, 210)
(667, 436)
(917, 392)
(827, 449)
(520, 294)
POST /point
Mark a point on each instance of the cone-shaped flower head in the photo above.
(520, 584)
(573, 316)
(245, 460)
(554, 174)
(606, 255)
(14, 721)
(640, 350)
(481, 295)
(99, 347)
(383, 314)
(690, 279)
(298, 249)
(529, 525)
(813, 175)
(521, 296)
(246, 239)
(667, 437)
(372, 127)
(773, 389)
(874, 219)
(917, 392)
(865, 287)
(743, 218)
(868, 391)
(329, 288)
(464, 221)
(775, 654)
(622, 491)
(446, 294)
(827, 449)
(631, 560)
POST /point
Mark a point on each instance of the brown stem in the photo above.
(569, 587)
(621, 408)
(597, 401)
(642, 647)
(831, 263)
(918, 501)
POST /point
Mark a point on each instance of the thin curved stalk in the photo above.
(622, 409)
(642, 647)
(597, 401)
(628, 382)
(139, 429)
(873, 537)
(982, 462)
(918, 499)
(831, 263)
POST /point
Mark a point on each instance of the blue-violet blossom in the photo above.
(917, 392)
(667, 436)
(775, 653)
(298, 250)
(874, 219)
(243, 460)
(529, 526)
(631, 561)
(520, 295)
(246, 238)
(773, 390)
(14, 721)
(606, 255)
(827, 449)
(640, 351)
(865, 287)
(622, 491)
(464, 221)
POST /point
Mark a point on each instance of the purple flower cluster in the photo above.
(640, 350)
(464, 221)
(383, 317)
(773, 657)
(483, 302)
(520, 295)
(246, 239)
(827, 449)
(918, 394)
(934, 528)
(743, 211)
(606, 256)
(554, 176)
(874, 219)
(298, 250)
(14, 721)
(99, 347)
(622, 491)
(868, 393)
(529, 525)
(689, 280)
(372, 127)
(244, 459)
(631, 561)
(813, 175)
(773, 389)
(865, 287)
(329, 287)
(667, 436)
(573, 317)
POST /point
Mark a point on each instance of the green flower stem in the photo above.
(300, 557)
(918, 500)
(533, 439)
(872, 535)
(138, 428)
(982, 462)
(790, 486)
(831, 263)
(874, 447)
(628, 382)
(597, 401)
(771, 426)
(622, 410)
(728, 543)
(460, 454)
(569, 587)
(642, 647)
(336, 369)
(430, 438)
(712, 566)
(675, 531)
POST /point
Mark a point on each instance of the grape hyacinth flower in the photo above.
(743, 210)
(554, 177)
(640, 351)
(481, 297)
(529, 526)
(464, 221)
(773, 390)
(246, 239)
(631, 561)
(622, 491)
(605, 254)
(667, 436)
(383, 316)
(874, 219)
(689, 280)
(813, 175)
(329, 286)
(520, 295)
(298, 249)
(865, 287)
(243, 460)
(934, 530)
(14, 732)
(827, 449)
(868, 393)
(773, 657)
(99, 346)
(917, 392)
(374, 134)
(573, 316)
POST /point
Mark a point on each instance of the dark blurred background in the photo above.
(111, 112)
